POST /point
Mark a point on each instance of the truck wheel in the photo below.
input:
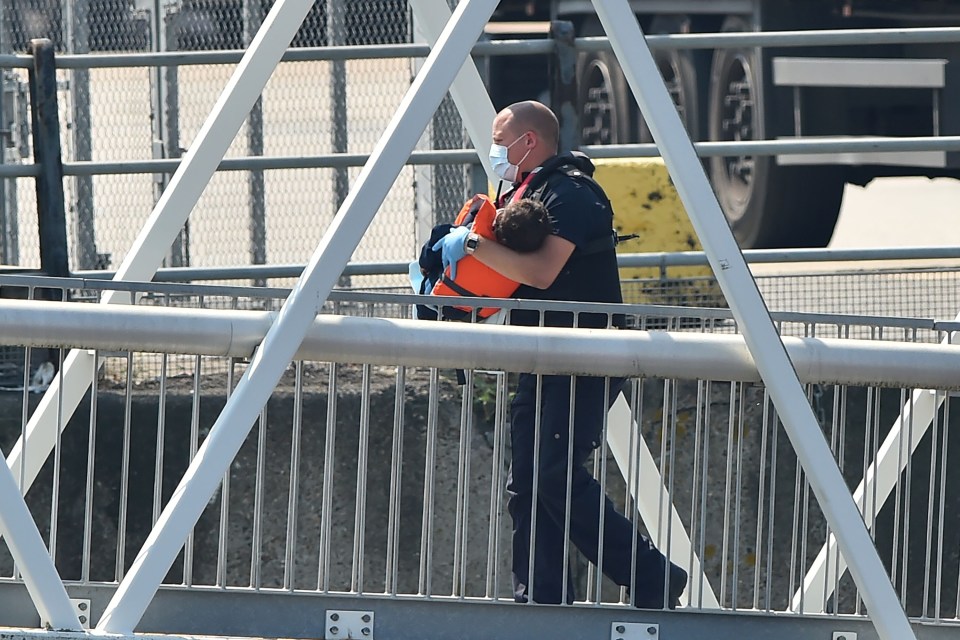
(603, 96)
(767, 206)
(679, 73)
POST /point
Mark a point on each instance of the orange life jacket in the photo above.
(474, 278)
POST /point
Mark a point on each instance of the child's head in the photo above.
(523, 225)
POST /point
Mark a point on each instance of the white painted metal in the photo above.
(467, 90)
(168, 216)
(472, 100)
(81, 606)
(634, 631)
(686, 356)
(342, 624)
(878, 482)
(40, 433)
(653, 493)
(26, 546)
(282, 341)
(747, 305)
(859, 72)
(904, 159)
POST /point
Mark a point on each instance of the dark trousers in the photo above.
(620, 540)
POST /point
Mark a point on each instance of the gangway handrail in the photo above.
(547, 350)
(705, 314)
(658, 259)
(833, 145)
(732, 40)
(706, 149)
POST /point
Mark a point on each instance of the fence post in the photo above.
(336, 35)
(6, 140)
(336, 14)
(253, 14)
(563, 83)
(46, 153)
(76, 18)
(164, 118)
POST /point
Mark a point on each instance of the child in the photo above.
(522, 225)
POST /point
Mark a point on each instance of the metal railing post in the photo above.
(563, 84)
(77, 41)
(164, 35)
(256, 189)
(337, 36)
(170, 124)
(6, 140)
(51, 214)
(339, 132)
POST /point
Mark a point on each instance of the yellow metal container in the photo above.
(646, 203)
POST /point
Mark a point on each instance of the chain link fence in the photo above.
(142, 113)
(308, 108)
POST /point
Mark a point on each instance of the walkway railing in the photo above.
(109, 164)
(683, 526)
(890, 282)
(371, 473)
(834, 37)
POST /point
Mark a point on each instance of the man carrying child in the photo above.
(576, 262)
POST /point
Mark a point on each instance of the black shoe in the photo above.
(678, 582)
(675, 587)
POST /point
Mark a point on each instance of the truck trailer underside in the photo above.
(770, 93)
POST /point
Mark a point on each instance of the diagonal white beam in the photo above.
(60, 401)
(653, 499)
(740, 290)
(468, 91)
(878, 482)
(295, 318)
(26, 546)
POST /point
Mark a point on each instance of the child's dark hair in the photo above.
(523, 225)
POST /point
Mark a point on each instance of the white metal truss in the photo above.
(26, 546)
(319, 277)
(282, 340)
(746, 303)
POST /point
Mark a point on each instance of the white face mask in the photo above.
(501, 164)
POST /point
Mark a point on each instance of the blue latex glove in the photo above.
(451, 246)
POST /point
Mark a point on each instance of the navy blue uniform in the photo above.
(582, 216)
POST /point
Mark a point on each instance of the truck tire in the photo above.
(766, 205)
(679, 71)
(609, 112)
(603, 96)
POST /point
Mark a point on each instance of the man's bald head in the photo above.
(537, 117)
(530, 132)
